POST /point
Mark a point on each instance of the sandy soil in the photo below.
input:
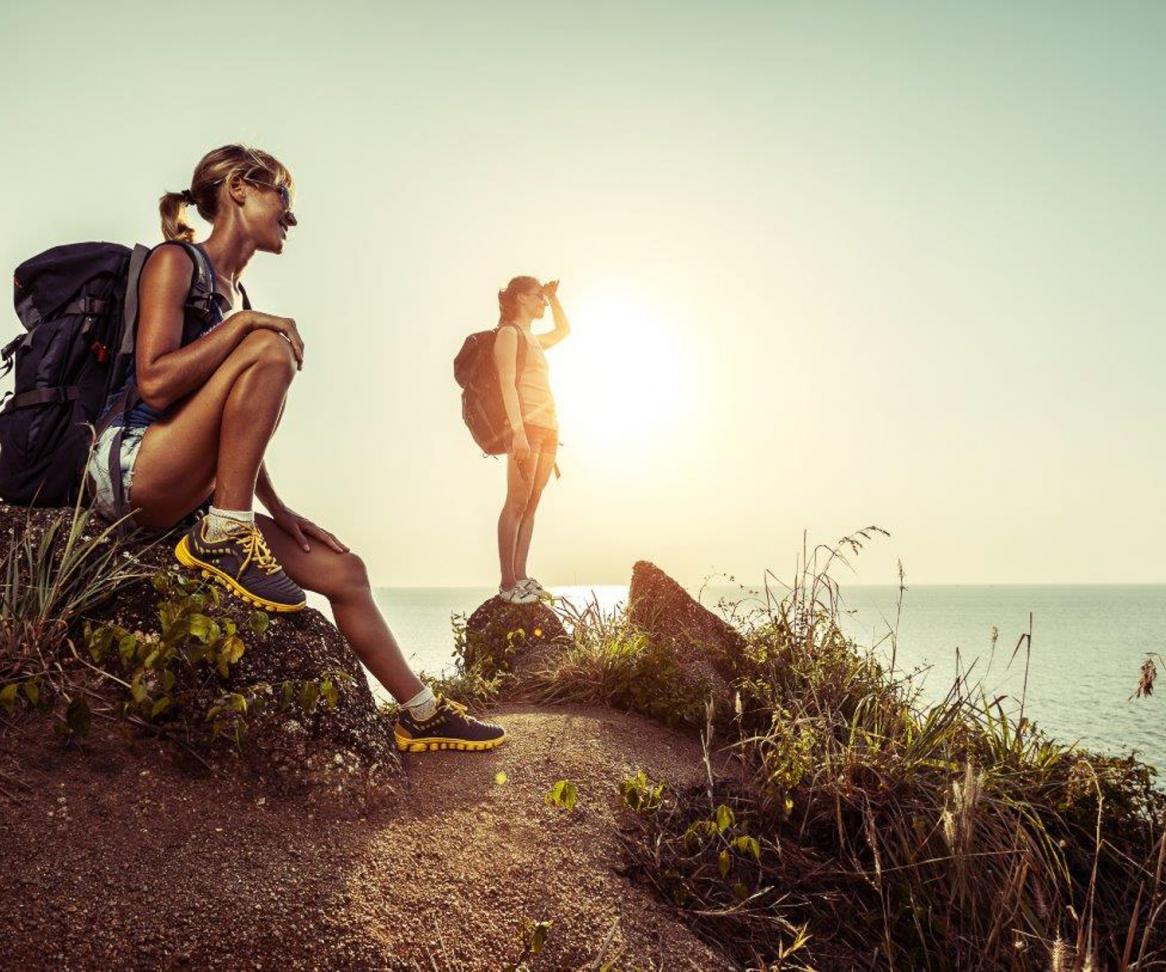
(120, 853)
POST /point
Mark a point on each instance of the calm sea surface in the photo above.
(1088, 644)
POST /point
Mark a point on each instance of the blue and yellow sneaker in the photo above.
(448, 728)
(242, 563)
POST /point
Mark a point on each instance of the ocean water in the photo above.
(1088, 644)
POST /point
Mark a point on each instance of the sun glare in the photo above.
(621, 378)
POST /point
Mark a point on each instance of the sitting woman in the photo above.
(202, 402)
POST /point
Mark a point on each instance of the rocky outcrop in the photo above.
(703, 649)
(337, 745)
(512, 639)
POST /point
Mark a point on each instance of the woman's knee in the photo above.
(347, 575)
(515, 505)
(531, 504)
(264, 346)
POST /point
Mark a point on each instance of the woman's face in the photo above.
(533, 302)
(267, 214)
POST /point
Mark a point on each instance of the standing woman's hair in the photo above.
(508, 298)
(218, 166)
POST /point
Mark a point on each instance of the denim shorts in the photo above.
(97, 470)
(542, 439)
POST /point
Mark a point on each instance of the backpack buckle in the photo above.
(100, 352)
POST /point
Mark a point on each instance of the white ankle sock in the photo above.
(217, 521)
(422, 705)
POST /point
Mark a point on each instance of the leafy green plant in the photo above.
(640, 793)
(533, 938)
(563, 794)
(948, 835)
(51, 574)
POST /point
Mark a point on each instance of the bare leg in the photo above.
(518, 489)
(546, 463)
(343, 579)
(214, 438)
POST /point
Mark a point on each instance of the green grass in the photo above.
(866, 829)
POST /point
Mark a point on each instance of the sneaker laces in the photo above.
(443, 702)
(250, 538)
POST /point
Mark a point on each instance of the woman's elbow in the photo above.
(151, 393)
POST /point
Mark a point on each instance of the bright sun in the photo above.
(621, 378)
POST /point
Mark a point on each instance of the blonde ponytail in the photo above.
(174, 227)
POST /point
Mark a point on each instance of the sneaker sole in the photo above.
(187, 559)
(407, 744)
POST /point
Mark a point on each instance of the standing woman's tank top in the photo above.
(196, 321)
(534, 386)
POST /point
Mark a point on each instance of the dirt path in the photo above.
(118, 855)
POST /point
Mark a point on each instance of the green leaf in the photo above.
(127, 647)
(137, 689)
(32, 690)
(77, 717)
(98, 640)
(748, 845)
(160, 706)
(328, 690)
(232, 649)
(724, 818)
(151, 658)
(538, 937)
(308, 695)
(287, 690)
(167, 680)
(200, 627)
(8, 696)
(237, 702)
(724, 863)
(258, 621)
(562, 794)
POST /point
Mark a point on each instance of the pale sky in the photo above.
(827, 264)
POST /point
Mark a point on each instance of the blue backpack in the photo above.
(79, 306)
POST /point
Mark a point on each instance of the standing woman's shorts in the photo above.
(542, 439)
(97, 469)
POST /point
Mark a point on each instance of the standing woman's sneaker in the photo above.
(448, 728)
(517, 595)
(241, 561)
(535, 588)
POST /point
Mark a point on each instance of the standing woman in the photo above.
(530, 409)
(209, 390)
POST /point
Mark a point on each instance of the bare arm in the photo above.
(167, 371)
(299, 528)
(265, 491)
(562, 325)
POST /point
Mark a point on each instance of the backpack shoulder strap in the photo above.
(520, 360)
(246, 299)
(202, 295)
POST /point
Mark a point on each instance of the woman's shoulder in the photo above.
(170, 255)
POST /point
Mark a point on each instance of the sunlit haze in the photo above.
(826, 265)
